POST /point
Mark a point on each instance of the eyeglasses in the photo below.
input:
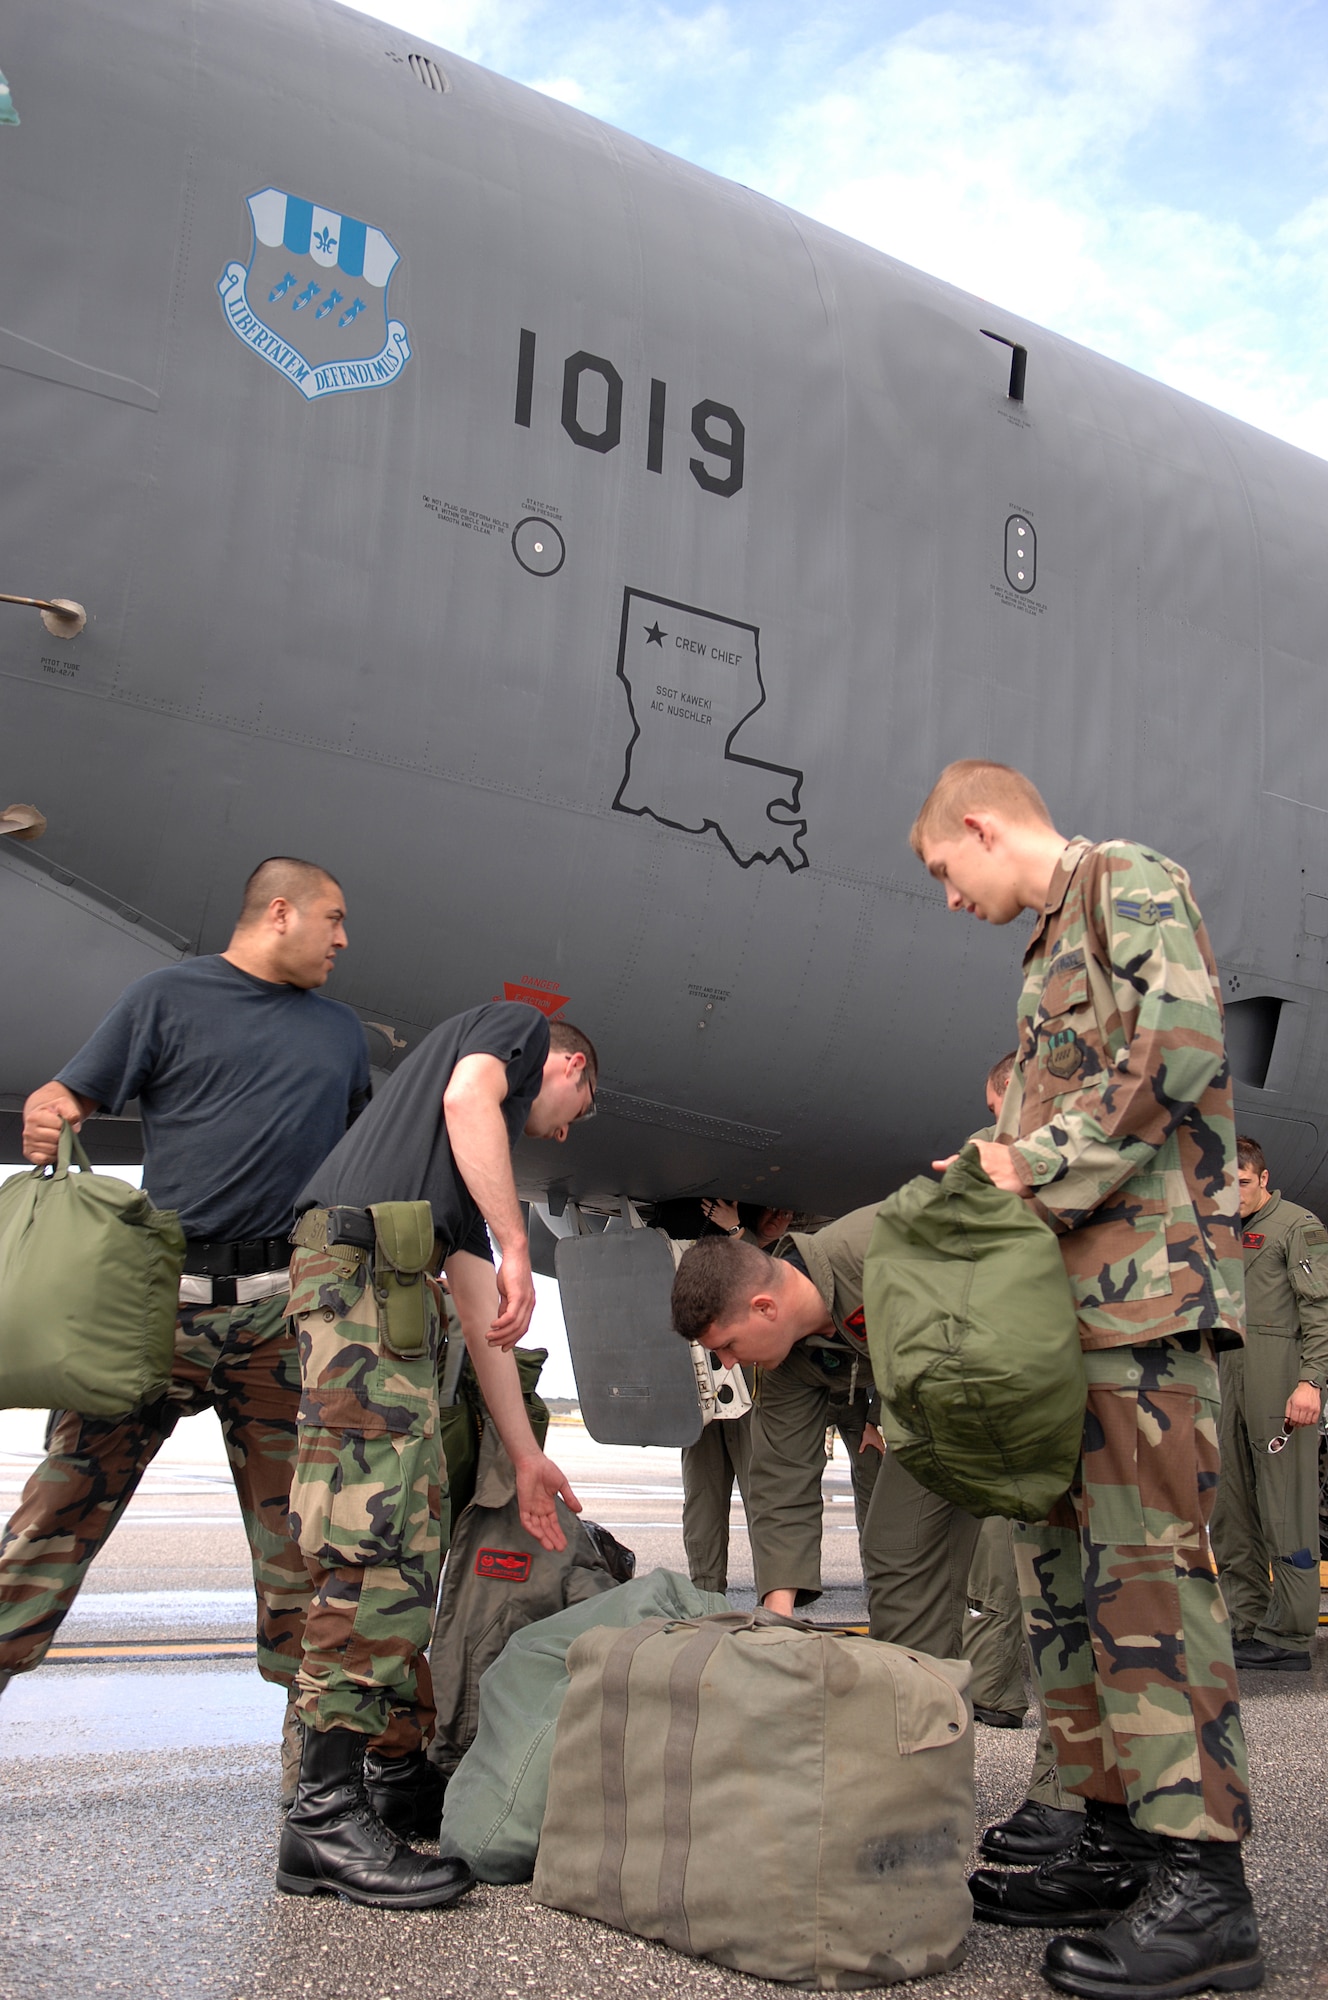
(1280, 1443)
(584, 1117)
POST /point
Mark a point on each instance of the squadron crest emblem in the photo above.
(312, 300)
(1064, 1054)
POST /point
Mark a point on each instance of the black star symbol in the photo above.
(654, 637)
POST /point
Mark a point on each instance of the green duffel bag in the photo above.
(89, 1290)
(495, 1799)
(796, 1804)
(975, 1344)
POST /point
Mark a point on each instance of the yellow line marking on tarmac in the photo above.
(156, 1649)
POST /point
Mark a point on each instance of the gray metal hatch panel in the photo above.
(634, 1375)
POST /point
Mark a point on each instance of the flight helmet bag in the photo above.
(89, 1289)
(975, 1344)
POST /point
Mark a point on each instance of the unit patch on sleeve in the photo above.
(503, 1565)
(1064, 1054)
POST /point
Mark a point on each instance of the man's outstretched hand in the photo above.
(539, 1484)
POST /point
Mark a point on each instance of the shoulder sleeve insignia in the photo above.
(855, 1326)
(1315, 1235)
(1143, 909)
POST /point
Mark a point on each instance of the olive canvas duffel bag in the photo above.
(89, 1289)
(494, 1805)
(795, 1803)
(974, 1344)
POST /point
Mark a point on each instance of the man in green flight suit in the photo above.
(796, 1314)
(1267, 1512)
(1118, 1129)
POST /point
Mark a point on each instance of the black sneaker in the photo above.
(1193, 1928)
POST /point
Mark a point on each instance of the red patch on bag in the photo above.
(503, 1565)
(1251, 1241)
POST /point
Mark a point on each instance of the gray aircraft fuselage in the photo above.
(592, 563)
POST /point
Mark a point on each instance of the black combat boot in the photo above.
(1031, 1834)
(1089, 1882)
(406, 1793)
(333, 1842)
(1193, 1927)
(1257, 1653)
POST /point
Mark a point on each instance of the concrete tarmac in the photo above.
(139, 1770)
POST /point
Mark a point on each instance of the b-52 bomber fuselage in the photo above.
(593, 562)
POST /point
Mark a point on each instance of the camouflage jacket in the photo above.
(1119, 1109)
(1286, 1282)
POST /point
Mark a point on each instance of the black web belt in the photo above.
(236, 1260)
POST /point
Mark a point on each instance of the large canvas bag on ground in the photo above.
(975, 1344)
(791, 1802)
(498, 1578)
(495, 1798)
(89, 1290)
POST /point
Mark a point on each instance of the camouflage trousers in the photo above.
(1130, 1638)
(239, 1361)
(366, 1506)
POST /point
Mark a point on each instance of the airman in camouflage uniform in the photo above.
(1267, 1512)
(245, 1075)
(367, 1494)
(1118, 1129)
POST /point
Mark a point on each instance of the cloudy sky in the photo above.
(1149, 177)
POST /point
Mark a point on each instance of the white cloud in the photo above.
(1000, 160)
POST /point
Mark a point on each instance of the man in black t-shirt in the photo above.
(245, 1074)
(432, 1159)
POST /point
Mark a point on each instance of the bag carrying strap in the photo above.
(68, 1153)
(684, 1715)
(613, 1765)
(685, 1676)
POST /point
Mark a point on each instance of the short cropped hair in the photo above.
(1250, 1154)
(998, 1076)
(571, 1041)
(282, 875)
(715, 1279)
(975, 784)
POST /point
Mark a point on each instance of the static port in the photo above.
(1020, 554)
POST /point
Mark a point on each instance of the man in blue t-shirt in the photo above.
(245, 1076)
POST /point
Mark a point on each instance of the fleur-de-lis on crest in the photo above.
(325, 240)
